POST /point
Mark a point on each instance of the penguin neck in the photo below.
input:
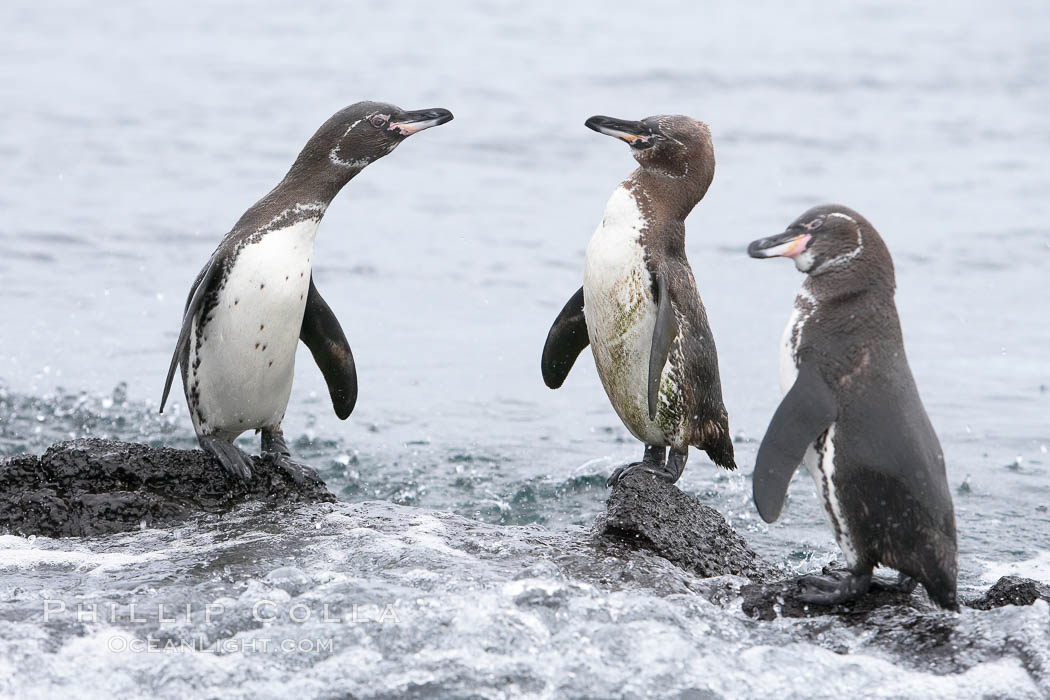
(306, 181)
(305, 192)
(862, 279)
(664, 201)
(668, 197)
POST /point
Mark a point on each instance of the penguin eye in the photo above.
(814, 224)
(378, 121)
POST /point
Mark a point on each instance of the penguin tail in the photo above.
(716, 442)
(944, 596)
(711, 435)
(939, 581)
(721, 453)
(935, 566)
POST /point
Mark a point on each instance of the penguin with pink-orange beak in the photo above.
(852, 414)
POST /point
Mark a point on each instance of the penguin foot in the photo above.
(635, 468)
(300, 473)
(274, 446)
(654, 462)
(834, 588)
(229, 455)
(903, 584)
(273, 442)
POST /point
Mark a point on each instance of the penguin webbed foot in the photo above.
(273, 442)
(299, 473)
(903, 584)
(274, 446)
(833, 588)
(233, 460)
(654, 463)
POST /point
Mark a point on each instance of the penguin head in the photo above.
(672, 144)
(365, 132)
(827, 237)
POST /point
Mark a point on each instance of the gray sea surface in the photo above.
(133, 135)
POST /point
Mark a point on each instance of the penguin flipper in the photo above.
(565, 341)
(664, 333)
(324, 336)
(193, 302)
(805, 412)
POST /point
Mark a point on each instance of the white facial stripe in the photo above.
(845, 258)
(358, 164)
(844, 216)
(351, 127)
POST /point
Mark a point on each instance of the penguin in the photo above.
(639, 308)
(852, 413)
(256, 297)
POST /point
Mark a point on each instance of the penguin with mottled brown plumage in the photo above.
(639, 308)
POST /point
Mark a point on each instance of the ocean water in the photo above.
(133, 136)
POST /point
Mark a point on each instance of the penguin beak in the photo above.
(636, 134)
(789, 244)
(408, 123)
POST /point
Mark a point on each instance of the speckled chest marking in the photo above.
(805, 306)
(242, 360)
(621, 314)
(819, 458)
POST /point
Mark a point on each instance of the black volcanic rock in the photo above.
(1011, 590)
(93, 487)
(767, 601)
(648, 513)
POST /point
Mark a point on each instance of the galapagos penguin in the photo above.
(852, 413)
(256, 297)
(639, 308)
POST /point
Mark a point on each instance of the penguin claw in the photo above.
(233, 460)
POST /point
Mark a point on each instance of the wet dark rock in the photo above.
(1011, 590)
(767, 601)
(648, 513)
(93, 487)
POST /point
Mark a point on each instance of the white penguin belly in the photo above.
(242, 368)
(621, 315)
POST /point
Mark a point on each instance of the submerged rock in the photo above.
(92, 487)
